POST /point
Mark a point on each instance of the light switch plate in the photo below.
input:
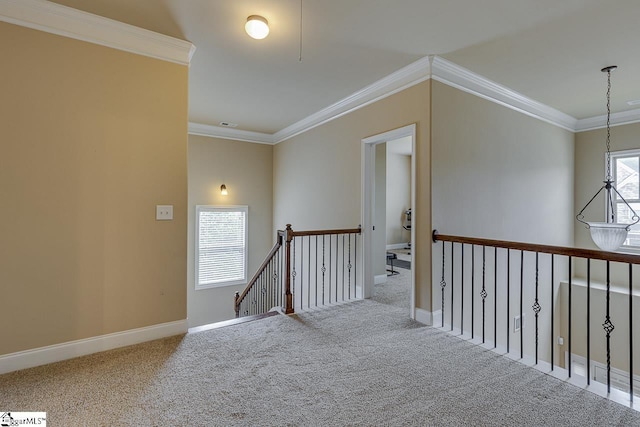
(164, 212)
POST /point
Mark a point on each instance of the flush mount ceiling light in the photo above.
(257, 27)
(609, 235)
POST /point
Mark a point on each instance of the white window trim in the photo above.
(233, 208)
(616, 155)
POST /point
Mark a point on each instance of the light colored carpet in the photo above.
(395, 291)
(363, 363)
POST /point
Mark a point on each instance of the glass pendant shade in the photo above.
(608, 236)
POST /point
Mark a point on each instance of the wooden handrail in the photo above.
(326, 232)
(548, 249)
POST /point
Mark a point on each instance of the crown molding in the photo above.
(438, 69)
(405, 77)
(68, 22)
(617, 119)
(454, 75)
(230, 133)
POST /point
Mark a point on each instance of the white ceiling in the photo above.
(548, 50)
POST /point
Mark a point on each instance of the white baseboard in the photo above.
(397, 246)
(380, 279)
(436, 318)
(57, 352)
(425, 317)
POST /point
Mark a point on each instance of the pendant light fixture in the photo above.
(609, 235)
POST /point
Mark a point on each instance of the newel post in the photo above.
(287, 286)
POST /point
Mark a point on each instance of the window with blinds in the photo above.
(221, 246)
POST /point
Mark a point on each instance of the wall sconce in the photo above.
(257, 27)
(223, 190)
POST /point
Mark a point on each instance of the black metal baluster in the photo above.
(536, 308)
(443, 285)
(483, 294)
(473, 292)
(631, 332)
(588, 321)
(495, 297)
(608, 327)
(452, 286)
(337, 264)
(271, 284)
(343, 264)
(462, 289)
(508, 297)
(259, 292)
(301, 272)
(552, 304)
(277, 279)
(268, 284)
(309, 274)
(253, 293)
(337, 252)
(569, 323)
(521, 299)
(349, 267)
(263, 288)
(315, 276)
(293, 273)
(282, 279)
(330, 268)
(323, 269)
(276, 285)
(355, 267)
(272, 292)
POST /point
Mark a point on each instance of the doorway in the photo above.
(374, 223)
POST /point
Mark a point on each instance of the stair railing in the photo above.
(483, 292)
(303, 270)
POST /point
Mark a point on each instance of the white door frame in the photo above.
(368, 199)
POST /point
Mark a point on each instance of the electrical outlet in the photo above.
(560, 341)
(164, 212)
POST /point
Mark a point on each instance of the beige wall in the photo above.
(500, 174)
(246, 170)
(317, 175)
(91, 140)
(398, 196)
